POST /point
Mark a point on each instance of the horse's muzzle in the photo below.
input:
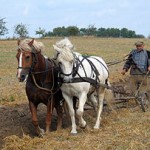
(67, 79)
(22, 78)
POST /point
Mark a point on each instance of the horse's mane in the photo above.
(24, 45)
(66, 49)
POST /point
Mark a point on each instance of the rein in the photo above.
(33, 77)
(117, 61)
(41, 72)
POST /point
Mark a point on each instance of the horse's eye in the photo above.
(27, 58)
(59, 63)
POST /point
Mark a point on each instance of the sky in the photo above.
(49, 14)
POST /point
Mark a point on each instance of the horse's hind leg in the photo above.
(59, 111)
(33, 110)
(100, 93)
(92, 98)
(50, 107)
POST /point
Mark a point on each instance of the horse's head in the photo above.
(26, 57)
(65, 59)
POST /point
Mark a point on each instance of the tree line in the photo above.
(21, 30)
(93, 31)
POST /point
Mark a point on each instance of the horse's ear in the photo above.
(31, 42)
(18, 42)
(56, 48)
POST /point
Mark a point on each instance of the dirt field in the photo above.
(128, 128)
(122, 130)
(16, 120)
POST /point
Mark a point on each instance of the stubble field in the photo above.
(127, 128)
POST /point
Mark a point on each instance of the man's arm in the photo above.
(127, 64)
(148, 53)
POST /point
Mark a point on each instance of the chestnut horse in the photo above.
(40, 74)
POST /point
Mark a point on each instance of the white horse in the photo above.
(81, 76)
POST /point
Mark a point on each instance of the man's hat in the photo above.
(139, 43)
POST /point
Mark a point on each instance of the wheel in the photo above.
(144, 101)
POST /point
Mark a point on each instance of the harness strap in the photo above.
(45, 73)
(80, 63)
(94, 69)
(102, 64)
(91, 81)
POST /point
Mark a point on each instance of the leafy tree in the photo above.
(60, 31)
(91, 30)
(101, 32)
(72, 30)
(83, 31)
(50, 34)
(124, 32)
(40, 31)
(3, 29)
(140, 36)
(114, 32)
(131, 34)
(21, 30)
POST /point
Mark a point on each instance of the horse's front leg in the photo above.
(100, 93)
(82, 100)
(69, 101)
(33, 110)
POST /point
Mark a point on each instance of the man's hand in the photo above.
(123, 71)
(149, 68)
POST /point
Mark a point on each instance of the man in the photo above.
(139, 64)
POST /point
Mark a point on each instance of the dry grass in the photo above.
(127, 129)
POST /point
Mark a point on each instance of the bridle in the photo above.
(32, 73)
(74, 69)
(34, 59)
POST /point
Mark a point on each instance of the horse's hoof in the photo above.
(46, 133)
(74, 134)
(96, 128)
(83, 127)
(41, 135)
